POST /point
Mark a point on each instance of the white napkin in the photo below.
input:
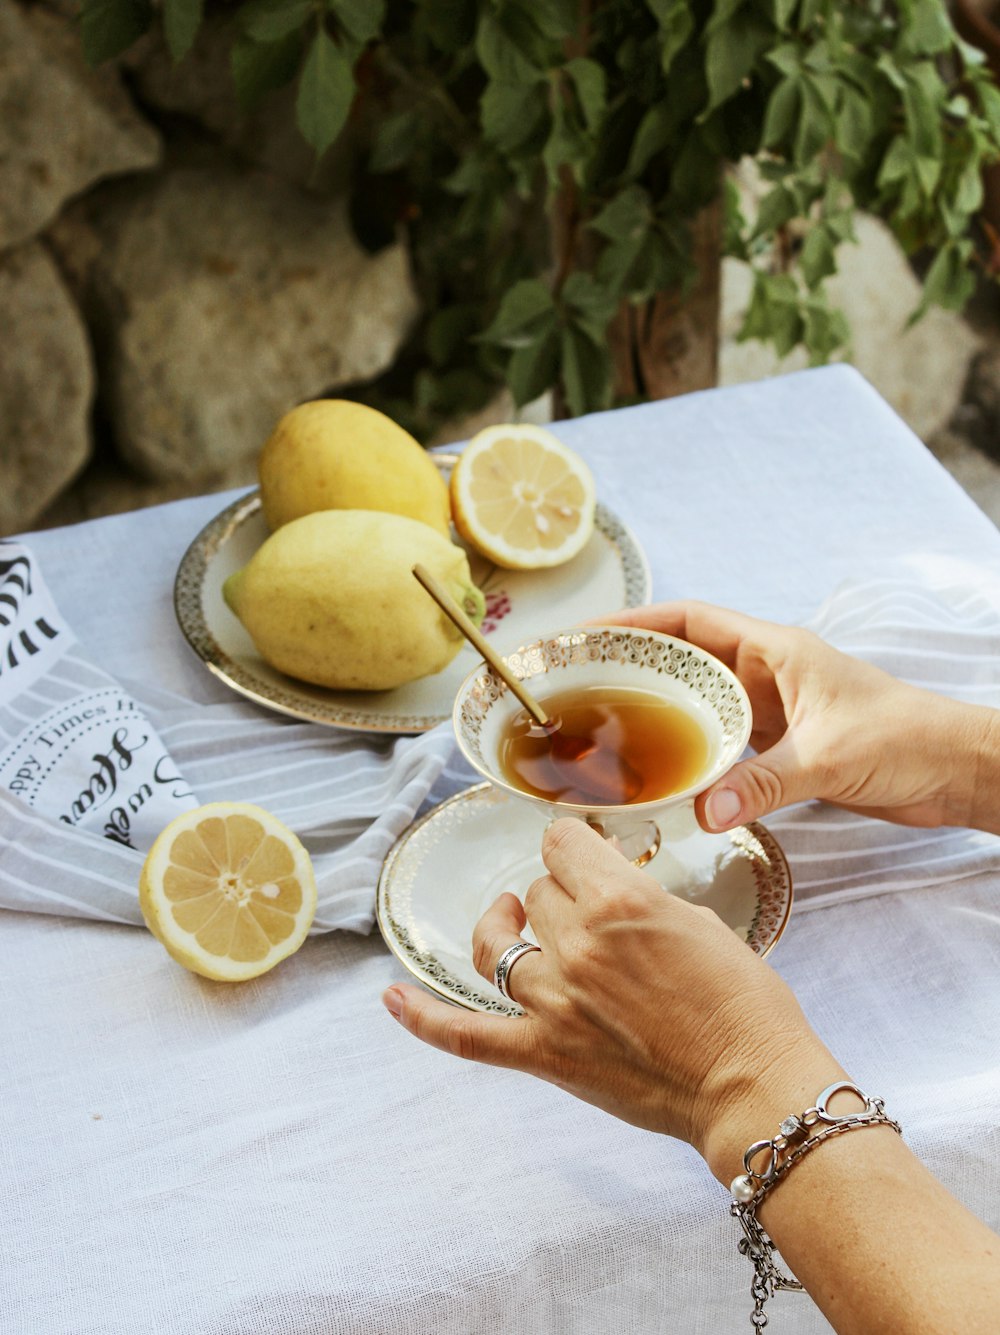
(74, 746)
(88, 777)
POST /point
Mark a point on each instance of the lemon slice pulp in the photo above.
(228, 890)
(522, 498)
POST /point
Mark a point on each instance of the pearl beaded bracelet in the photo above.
(785, 1150)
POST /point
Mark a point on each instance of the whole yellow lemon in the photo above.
(333, 454)
(331, 599)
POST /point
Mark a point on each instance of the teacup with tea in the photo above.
(641, 723)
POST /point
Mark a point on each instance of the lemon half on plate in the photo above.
(522, 498)
(228, 890)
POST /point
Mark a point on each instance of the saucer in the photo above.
(610, 572)
(448, 867)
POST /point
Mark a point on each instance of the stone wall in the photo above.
(174, 275)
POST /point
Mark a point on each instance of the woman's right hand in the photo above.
(830, 726)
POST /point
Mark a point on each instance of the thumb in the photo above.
(754, 788)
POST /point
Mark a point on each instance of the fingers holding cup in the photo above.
(498, 945)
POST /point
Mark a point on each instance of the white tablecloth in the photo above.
(280, 1157)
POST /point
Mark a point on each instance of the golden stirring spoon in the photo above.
(451, 609)
(564, 746)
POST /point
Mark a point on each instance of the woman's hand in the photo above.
(638, 1002)
(830, 726)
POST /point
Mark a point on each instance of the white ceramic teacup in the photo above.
(618, 657)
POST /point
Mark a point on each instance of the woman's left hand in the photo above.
(638, 1001)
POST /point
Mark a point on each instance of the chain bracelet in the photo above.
(784, 1150)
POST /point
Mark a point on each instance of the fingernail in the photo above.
(392, 1000)
(722, 808)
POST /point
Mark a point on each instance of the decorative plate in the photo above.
(609, 573)
(426, 913)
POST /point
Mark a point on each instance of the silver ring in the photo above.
(506, 962)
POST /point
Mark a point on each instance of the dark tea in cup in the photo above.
(613, 746)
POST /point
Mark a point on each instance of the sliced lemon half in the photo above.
(522, 498)
(228, 890)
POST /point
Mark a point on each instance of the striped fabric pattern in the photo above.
(347, 795)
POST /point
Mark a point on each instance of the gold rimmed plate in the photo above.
(610, 572)
(426, 912)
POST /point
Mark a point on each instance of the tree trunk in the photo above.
(670, 344)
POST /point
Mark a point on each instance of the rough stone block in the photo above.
(46, 386)
(220, 299)
(63, 126)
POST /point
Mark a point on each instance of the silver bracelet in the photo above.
(783, 1152)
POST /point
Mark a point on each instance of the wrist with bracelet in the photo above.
(797, 1135)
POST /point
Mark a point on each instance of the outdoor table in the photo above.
(281, 1157)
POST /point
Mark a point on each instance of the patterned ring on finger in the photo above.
(506, 962)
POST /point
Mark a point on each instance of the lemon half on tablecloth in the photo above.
(228, 890)
(522, 498)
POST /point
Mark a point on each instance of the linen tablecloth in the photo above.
(179, 1156)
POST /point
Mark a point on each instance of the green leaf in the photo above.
(816, 259)
(989, 101)
(449, 25)
(886, 65)
(784, 12)
(258, 67)
(778, 207)
(534, 368)
(557, 19)
(926, 30)
(652, 137)
(361, 20)
(734, 223)
(784, 315)
(469, 176)
(586, 372)
(949, 281)
(448, 329)
(270, 20)
(731, 52)
(676, 25)
(782, 111)
(928, 172)
(590, 84)
(525, 308)
(898, 162)
(566, 146)
(824, 330)
(787, 59)
(773, 314)
(326, 90)
(923, 103)
(756, 320)
(969, 191)
(617, 261)
(510, 114)
(181, 21)
(814, 127)
(629, 213)
(592, 305)
(500, 46)
(723, 13)
(109, 27)
(853, 125)
(394, 141)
